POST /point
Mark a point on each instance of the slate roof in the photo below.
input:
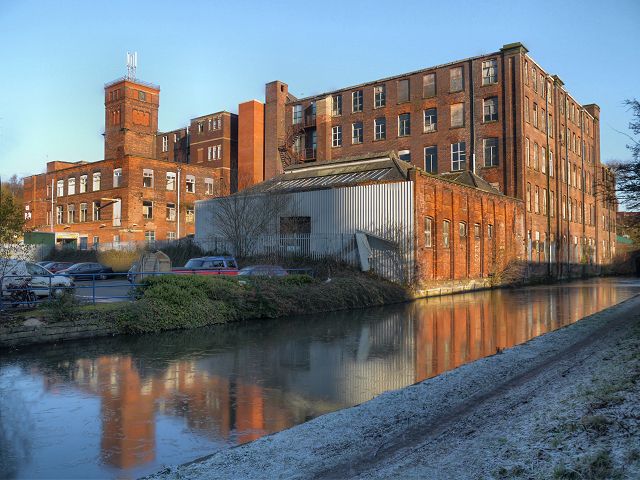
(347, 171)
(380, 167)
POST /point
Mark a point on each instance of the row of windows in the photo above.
(212, 124)
(84, 182)
(96, 209)
(539, 117)
(429, 123)
(430, 233)
(540, 160)
(165, 141)
(403, 90)
(147, 182)
(543, 86)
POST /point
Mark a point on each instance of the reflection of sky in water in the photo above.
(125, 406)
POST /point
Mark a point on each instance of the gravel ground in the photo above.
(563, 405)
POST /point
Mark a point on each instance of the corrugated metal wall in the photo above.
(384, 209)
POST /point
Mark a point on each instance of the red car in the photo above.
(209, 266)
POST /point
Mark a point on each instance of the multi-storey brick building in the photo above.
(499, 115)
(145, 188)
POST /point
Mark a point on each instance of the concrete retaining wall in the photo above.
(33, 331)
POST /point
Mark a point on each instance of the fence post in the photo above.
(93, 278)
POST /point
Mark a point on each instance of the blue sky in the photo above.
(209, 56)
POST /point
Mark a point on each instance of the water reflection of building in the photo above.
(452, 331)
(243, 389)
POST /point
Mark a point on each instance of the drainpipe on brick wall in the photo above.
(473, 118)
(178, 205)
(547, 240)
(52, 202)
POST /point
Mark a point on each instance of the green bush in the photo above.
(187, 301)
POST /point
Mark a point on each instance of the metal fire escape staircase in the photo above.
(288, 156)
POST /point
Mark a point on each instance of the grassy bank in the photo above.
(179, 302)
(172, 302)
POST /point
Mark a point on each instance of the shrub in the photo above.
(187, 301)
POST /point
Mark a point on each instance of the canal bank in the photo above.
(563, 404)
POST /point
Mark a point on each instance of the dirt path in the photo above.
(518, 414)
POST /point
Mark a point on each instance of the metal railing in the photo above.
(19, 291)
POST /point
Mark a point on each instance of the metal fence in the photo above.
(21, 292)
(340, 247)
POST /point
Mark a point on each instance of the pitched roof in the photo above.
(472, 180)
(347, 171)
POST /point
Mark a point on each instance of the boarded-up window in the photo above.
(457, 115)
(295, 225)
(428, 231)
(403, 91)
(429, 85)
(456, 83)
(445, 233)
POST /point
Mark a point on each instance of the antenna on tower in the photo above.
(132, 63)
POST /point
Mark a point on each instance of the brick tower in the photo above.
(131, 118)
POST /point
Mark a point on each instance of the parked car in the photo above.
(221, 265)
(55, 267)
(87, 271)
(39, 280)
(263, 270)
(44, 263)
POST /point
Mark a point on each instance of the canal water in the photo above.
(123, 407)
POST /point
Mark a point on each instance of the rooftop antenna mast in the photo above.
(132, 63)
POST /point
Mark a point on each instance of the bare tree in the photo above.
(627, 174)
(241, 219)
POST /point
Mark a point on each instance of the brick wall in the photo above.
(131, 192)
(479, 253)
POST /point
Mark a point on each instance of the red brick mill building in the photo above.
(499, 117)
(146, 186)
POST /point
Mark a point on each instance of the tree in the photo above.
(15, 186)
(11, 218)
(241, 219)
(627, 174)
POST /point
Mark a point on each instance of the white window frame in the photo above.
(296, 114)
(357, 133)
(490, 71)
(60, 188)
(208, 186)
(490, 109)
(430, 120)
(71, 186)
(336, 136)
(430, 159)
(458, 156)
(336, 105)
(357, 102)
(171, 212)
(493, 160)
(147, 173)
(380, 128)
(190, 183)
(147, 210)
(171, 181)
(117, 177)
(165, 143)
(404, 124)
(428, 232)
(379, 96)
(96, 181)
